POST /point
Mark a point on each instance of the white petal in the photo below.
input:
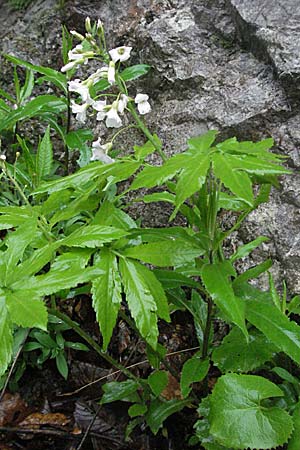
(141, 98)
(120, 53)
(112, 119)
(144, 107)
(111, 73)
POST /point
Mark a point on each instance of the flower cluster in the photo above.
(93, 46)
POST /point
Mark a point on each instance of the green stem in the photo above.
(146, 132)
(92, 343)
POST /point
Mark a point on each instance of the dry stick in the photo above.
(12, 367)
(67, 394)
(87, 431)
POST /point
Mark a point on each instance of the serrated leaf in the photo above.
(238, 417)
(236, 355)
(244, 250)
(27, 312)
(92, 236)
(276, 326)
(295, 438)
(16, 242)
(157, 381)
(44, 157)
(215, 279)
(191, 178)
(106, 290)
(141, 303)
(6, 338)
(124, 390)
(164, 253)
(201, 144)
(194, 370)
(142, 151)
(159, 411)
(171, 279)
(255, 165)
(236, 181)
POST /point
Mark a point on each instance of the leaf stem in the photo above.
(85, 336)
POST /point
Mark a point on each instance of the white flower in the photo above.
(79, 110)
(3, 157)
(100, 73)
(99, 25)
(75, 53)
(81, 89)
(120, 53)
(111, 73)
(100, 152)
(112, 118)
(142, 103)
(72, 64)
(100, 106)
(88, 25)
(77, 35)
(122, 103)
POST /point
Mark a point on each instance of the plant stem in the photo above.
(207, 328)
(146, 132)
(92, 343)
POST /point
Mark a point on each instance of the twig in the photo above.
(145, 361)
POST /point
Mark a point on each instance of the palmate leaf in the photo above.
(237, 355)
(106, 290)
(201, 144)
(140, 300)
(215, 279)
(236, 181)
(239, 417)
(6, 338)
(255, 165)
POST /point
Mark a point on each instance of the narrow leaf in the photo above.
(44, 157)
(6, 338)
(106, 290)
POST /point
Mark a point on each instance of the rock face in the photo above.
(231, 65)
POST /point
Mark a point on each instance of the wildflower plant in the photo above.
(74, 232)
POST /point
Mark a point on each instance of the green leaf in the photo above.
(159, 197)
(6, 338)
(164, 253)
(137, 409)
(120, 170)
(140, 300)
(191, 178)
(134, 72)
(236, 181)
(236, 355)
(276, 326)
(157, 381)
(92, 236)
(25, 311)
(16, 242)
(147, 148)
(171, 279)
(62, 365)
(239, 417)
(55, 77)
(254, 272)
(27, 89)
(44, 157)
(295, 438)
(36, 107)
(244, 250)
(215, 279)
(106, 290)
(77, 139)
(194, 370)
(159, 411)
(125, 390)
(201, 144)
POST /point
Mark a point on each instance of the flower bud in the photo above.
(77, 35)
(88, 25)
